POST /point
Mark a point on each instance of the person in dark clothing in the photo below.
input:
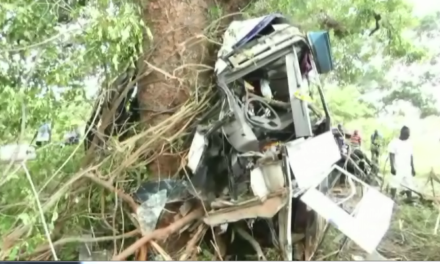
(72, 137)
(340, 136)
(341, 130)
(401, 162)
(375, 146)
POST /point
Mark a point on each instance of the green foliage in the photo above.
(357, 19)
(48, 51)
(346, 104)
(362, 60)
(49, 48)
(17, 202)
(415, 97)
(429, 22)
(45, 63)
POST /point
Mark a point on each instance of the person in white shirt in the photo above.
(402, 162)
(43, 134)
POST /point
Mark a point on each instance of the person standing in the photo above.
(43, 135)
(401, 162)
(72, 136)
(340, 136)
(341, 130)
(356, 140)
(375, 146)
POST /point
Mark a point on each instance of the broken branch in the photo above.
(160, 233)
(193, 241)
(127, 198)
(142, 253)
(161, 251)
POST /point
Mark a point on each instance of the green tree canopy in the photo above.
(48, 49)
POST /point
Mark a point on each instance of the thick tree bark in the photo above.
(181, 56)
(175, 49)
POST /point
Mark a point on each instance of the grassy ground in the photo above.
(410, 238)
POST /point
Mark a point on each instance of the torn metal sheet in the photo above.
(196, 150)
(315, 232)
(312, 158)
(240, 33)
(374, 215)
(267, 178)
(273, 176)
(148, 212)
(239, 132)
(267, 209)
(258, 184)
(176, 190)
(367, 227)
(285, 221)
(375, 256)
(300, 111)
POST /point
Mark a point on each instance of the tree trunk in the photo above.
(180, 55)
(177, 55)
(176, 27)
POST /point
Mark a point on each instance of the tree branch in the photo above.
(160, 233)
(68, 240)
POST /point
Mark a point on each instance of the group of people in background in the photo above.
(400, 154)
(43, 135)
(355, 140)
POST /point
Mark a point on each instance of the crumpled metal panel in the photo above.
(176, 190)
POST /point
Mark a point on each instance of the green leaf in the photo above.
(125, 34)
(54, 216)
(13, 253)
(25, 218)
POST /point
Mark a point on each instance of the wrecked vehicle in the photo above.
(264, 151)
(262, 167)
